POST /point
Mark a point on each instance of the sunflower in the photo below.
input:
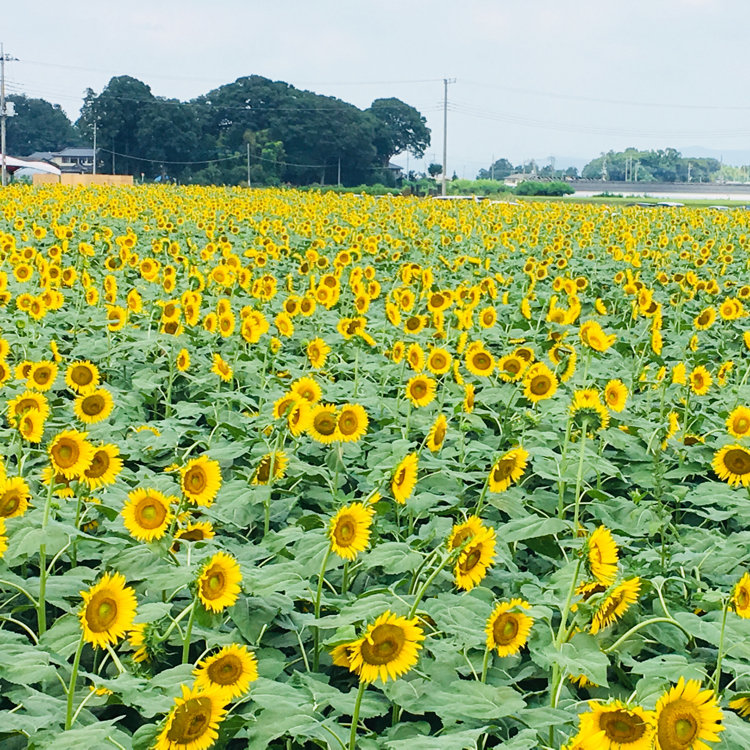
(27, 401)
(349, 530)
(624, 727)
(679, 374)
(389, 648)
(31, 426)
(420, 390)
(479, 361)
(219, 582)
(284, 404)
(106, 464)
(415, 357)
(352, 423)
(615, 395)
(82, 376)
(146, 515)
(439, 361)
(593, 336)
(307, 389)
(263, 473)
(732, 464)
(586, 406)
(201, 480)
(137, 641)
(602, 556)
(436, 436)
(741, 597)
(741, 705)
(540, 383)
(468, 402)
(70, 453)
(705, 319)
(230, 671)
(322, 424)
(61, 483)
(405, 478)
(193, 723)
(42, 375)
(475, 558)
(615, 604)
(298, 418)
(94, 406)
(511, 367)
(700, 381)
(222, 368)
(183, 360)
(108, 610)
(507, 469)
(317, 351)
(14, 497)
(738, 422)
(687, 717)
(508, 630)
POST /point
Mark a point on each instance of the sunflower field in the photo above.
(295, 470)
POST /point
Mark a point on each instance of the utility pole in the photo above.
(3, 112)
(492, 168)
(248, 164)
(338, 174)
(94, 170)
(446, 81)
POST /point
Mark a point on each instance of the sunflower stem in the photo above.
(447, 559)
(561, 485)
(483, 494)
(485, 664)
(188, 633)
(41, 604)
(579, 476)
(118, 663)
(318, 593)
(355, 715)
(168, 400)
(72, 686)
(345, 579)
(624, 637)
(720, 655)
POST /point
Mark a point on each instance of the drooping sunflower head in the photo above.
(230, 671)
(352, 422)
(475, 558)
(71, 453)
(201, 480)
(147, 514)
(586, 408)
(108, 610)
(322, 425)
(405, 478)
(615, 604)
(741, 597)
(94, 406)
(420, 390)
(687, 717)
(732, 464)
(219, 582)
(602, 556)
(508, 627)
(271, 465)
(349, 530)
(388, 649)
(194, 721)
(624, 727)
(507, 469)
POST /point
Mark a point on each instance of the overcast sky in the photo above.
(534, 78)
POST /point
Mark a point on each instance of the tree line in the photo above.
(288, 135)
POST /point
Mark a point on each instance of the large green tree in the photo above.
(38, 126)
(399, 127)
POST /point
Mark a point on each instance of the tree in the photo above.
(398, 127)
(435, 169)
(38, 126)
(500, 169)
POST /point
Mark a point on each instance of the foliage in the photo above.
(37, 126)
(661, 165)
(539, 187)
(399, 128)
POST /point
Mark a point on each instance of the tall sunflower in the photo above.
(230, 671)
(479, 361)
(147, 514)
(108, 610)
(732, 464)
(700, 380)
(617, 726)
(439, 361)
(615, 604)
(437, 433)
(602, 555)
(201, 480)
(540, 383)
(322, 424)
(474, 560)
(194, 721)
(420, 390)
(687, 717)
(508, 628)
(219, 582)
(71, 453)
(405, 478)
(307, 389)
(42, 375)
(352, 423)
(349, 530)
(94, 406)
(507, 469)
(222, 368)
(388, 649)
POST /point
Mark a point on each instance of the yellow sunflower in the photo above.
(388, 649)
(436, 436)
(14, 497)
(262, 474)
(602, 556)
(463, 532)
(615, 395)
(222, 368)
(219, 582)
(507, 469)
(201, 480)
(3, 538)
(687, 717)
(415, 357)
(624, 727)
(352, 423)
(183, 360)
(196, 531)
(94, 406)
(738, 422)
(349, 530)
(511, 367)
(741, 705)
(284, 404)
(82, 376)
(420, 390)
(439, 361)
(147, 515)
(42, 375)
(317, 352)
(475, 558)
(27, 401)
(741, 597)
(322, 424)
(615, 604)
(106, 464)
(307, 389)
(507, 628)
(108, 610)
(540, 383)
(705, 319)
(732, 464)
(229, 672)
(194, 721)
(31, 426)
(479, 361)
(700, 381)
(405, 478)
(298, 418)
(70, 453)
(468, 402)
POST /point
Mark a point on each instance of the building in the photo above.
(70, 160)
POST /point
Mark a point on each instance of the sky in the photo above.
(534, 79)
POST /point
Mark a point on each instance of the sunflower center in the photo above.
(505, 628)
(42, 375)
(325, 423)
(512, 366)
(92, 405)
(214, 584)
(99, 465)
(622, 726)
(65, 453)
(383, 645)
(470, 559)
(101, 612)
(9, 503)
(503, 469)
(346, 530)
(225, 671)
(737, 461)
(482, 361)
(190, 721)
(741, 425)
(439, 435)
(742, 598)
(196, 480)
(438, 361)
(348, 423)
(419, 389)
(461, 537)
(540, 385)
(150, 513)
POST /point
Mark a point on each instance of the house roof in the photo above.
(70, 151)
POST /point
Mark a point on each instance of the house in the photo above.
(70, 160)
(512, 180)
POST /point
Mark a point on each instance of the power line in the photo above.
(213, 161)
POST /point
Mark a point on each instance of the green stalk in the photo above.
(355, 715)
(579, 476)
(447, 559)
(41, 609)
(485, 664)
(72, 685)
(561, 485)
(188, 633)
(624, 637)
(720, 656)
(318, 593)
